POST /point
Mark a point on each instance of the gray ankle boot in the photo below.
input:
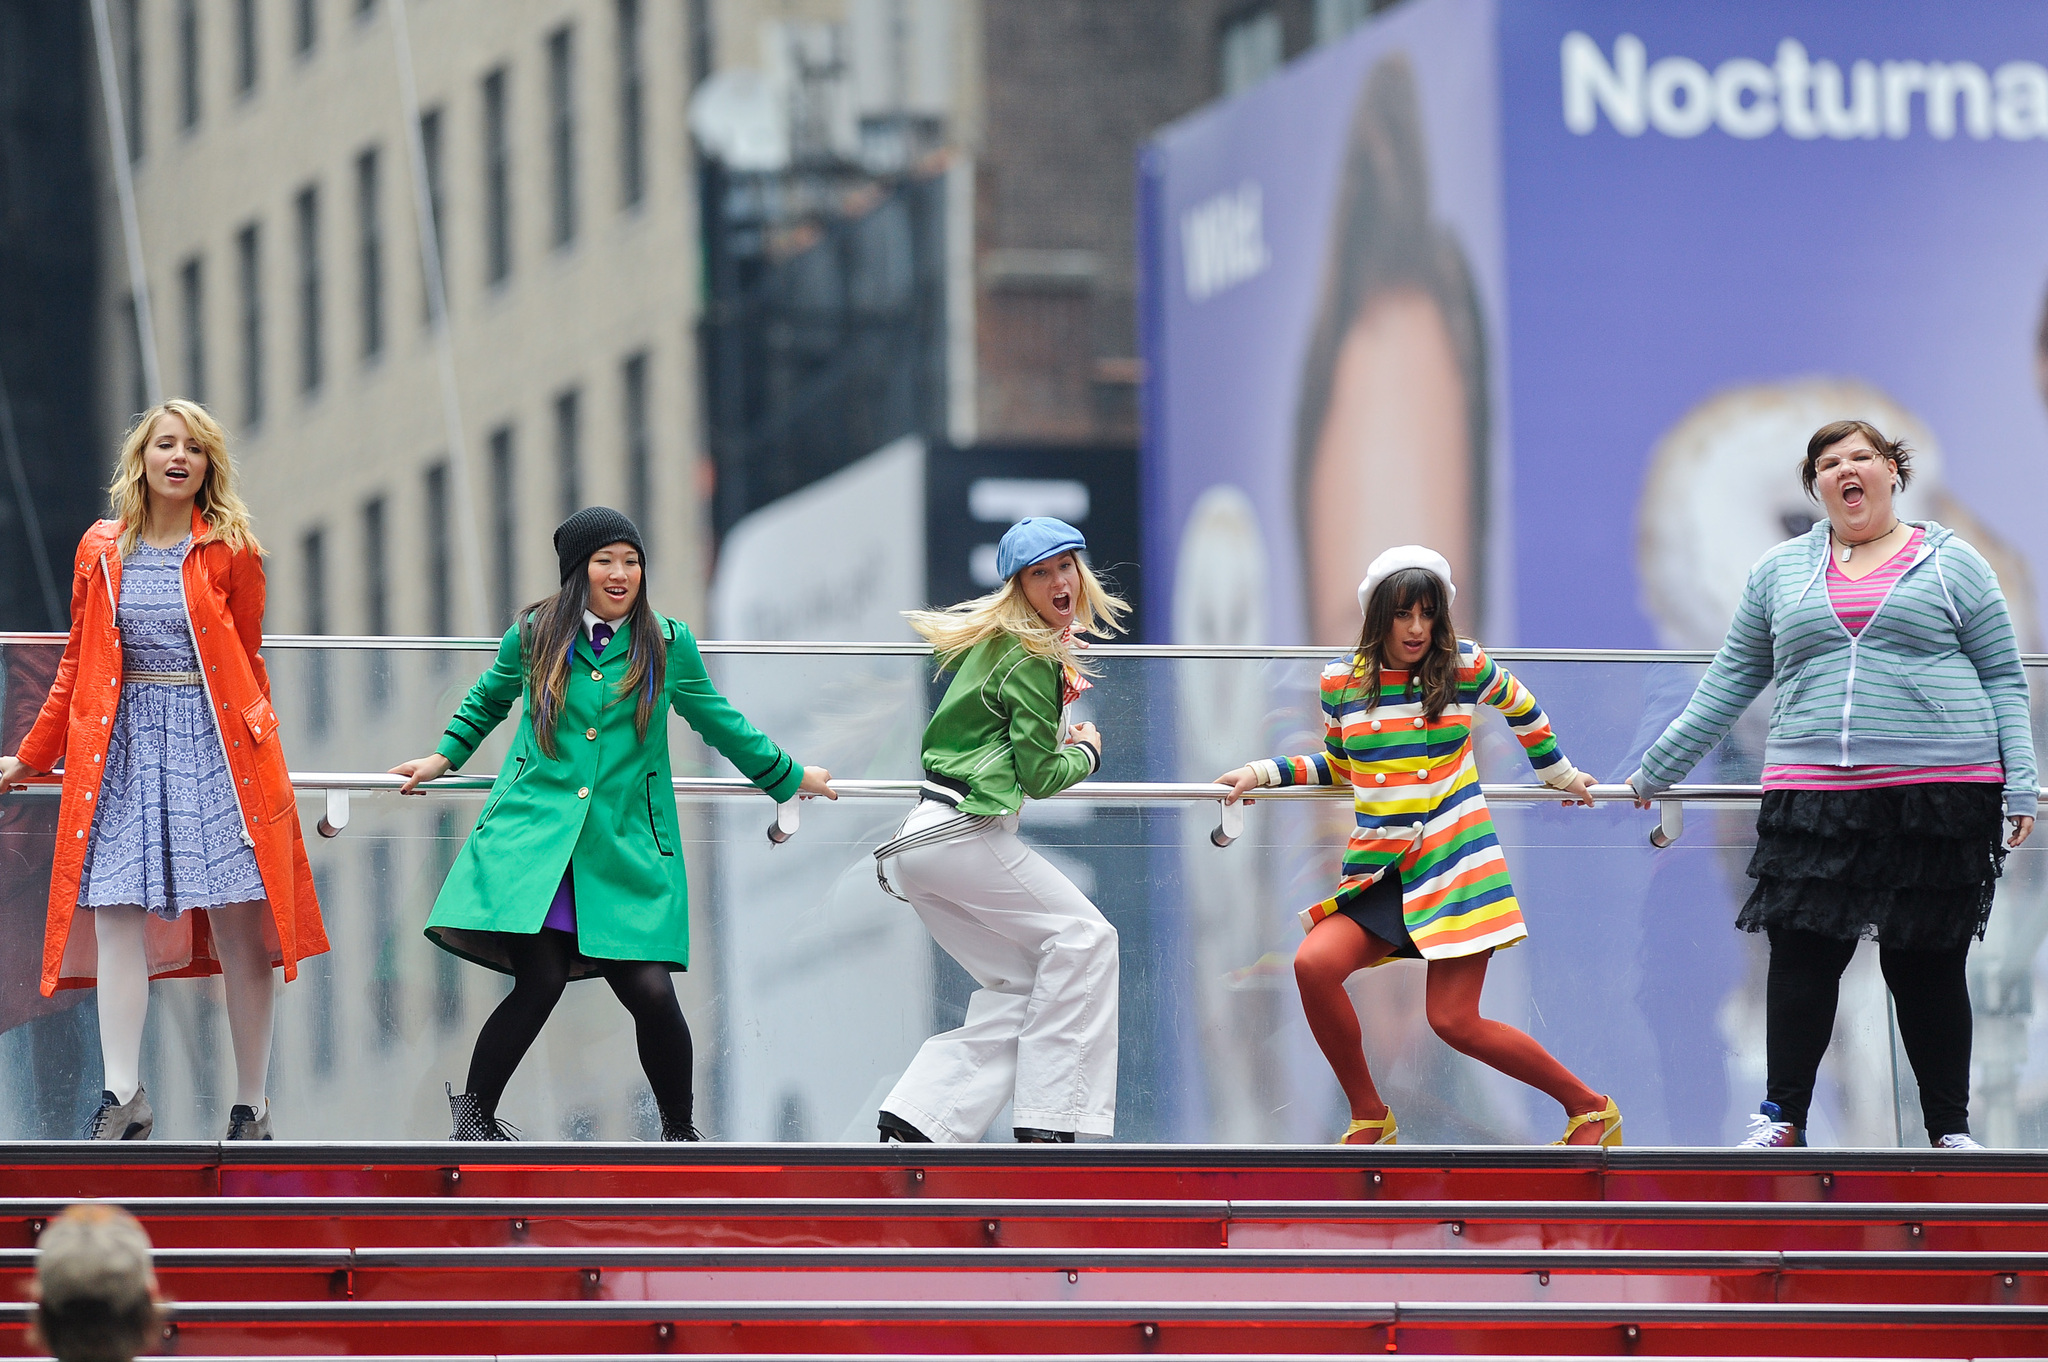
(129, 1120)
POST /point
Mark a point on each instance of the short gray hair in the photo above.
(95, 1290)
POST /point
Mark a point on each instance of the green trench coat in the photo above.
(603, 806)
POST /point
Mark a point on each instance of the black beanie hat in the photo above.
(589, 530)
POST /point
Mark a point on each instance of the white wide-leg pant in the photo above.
(1041, 1029)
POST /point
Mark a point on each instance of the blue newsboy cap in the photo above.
(1033, 540)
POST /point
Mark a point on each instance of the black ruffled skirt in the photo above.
(1911, 866)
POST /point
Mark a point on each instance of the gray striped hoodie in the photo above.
(1934, 679)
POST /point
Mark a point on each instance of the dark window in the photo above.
(432, 159)
(569, 451)
(306, 28)
(639, 446)
(377, 597)
(447, 969)
(188, 63)
(306, 213)
(1251, 46)
(131, 346)
(131, 13)
(562, 134)
(192, 301)
(247, 49)
(369, 253)
(504, 529)
(249, 277)
(632, 108)
(318, 973)
(365, 8)
(439, 527)
(313, 553)
(386, 984)
(497, 179)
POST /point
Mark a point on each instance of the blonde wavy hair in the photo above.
(227, 517)
(954, 631)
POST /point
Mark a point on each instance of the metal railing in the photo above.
(339, 786)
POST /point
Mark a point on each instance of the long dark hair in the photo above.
(547, 638)
(1438, 671)
(1383, 239)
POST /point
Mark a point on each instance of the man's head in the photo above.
(95, 1291)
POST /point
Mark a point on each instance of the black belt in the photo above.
(945, 789)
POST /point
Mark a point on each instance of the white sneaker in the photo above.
(1957, 1142)
(1766, 1131)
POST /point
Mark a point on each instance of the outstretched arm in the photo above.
(481, 711)
(1739, 673)
(757, 757)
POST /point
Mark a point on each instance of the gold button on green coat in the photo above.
(607, 805)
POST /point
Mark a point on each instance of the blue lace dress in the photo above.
(167, 835)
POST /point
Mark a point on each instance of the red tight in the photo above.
(1339, 948)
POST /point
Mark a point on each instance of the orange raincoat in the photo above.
(224, 603)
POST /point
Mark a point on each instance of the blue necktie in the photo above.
(599, 637)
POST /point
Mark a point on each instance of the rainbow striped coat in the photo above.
(1416, 791)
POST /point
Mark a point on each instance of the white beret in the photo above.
(1407, 556)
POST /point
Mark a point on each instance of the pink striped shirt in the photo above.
(1855, 601)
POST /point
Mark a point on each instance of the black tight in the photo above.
(540, 971)
(1931, 997)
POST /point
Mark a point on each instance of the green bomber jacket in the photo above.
(998, 731)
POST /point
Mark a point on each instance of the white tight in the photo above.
(250, 983)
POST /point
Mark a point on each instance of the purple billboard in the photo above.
(1560, 288)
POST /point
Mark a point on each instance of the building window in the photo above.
(386, 986)
(377, 597)
(192, 304)
(439, 527)
(138, 381)
(562, 133)
(249, 278)
(131, 116)
(632, 108)
(247, 50)
(319, 975)
(313, 566)
(504, 529)
(497, 180)
(447, 969)
(306, 213)
(430, 155)
(369, 254)
(188, 64)
(1335, 18)
(639, 442)
(306, 26)
(365, 8)
(569, 451)
(1251, 47)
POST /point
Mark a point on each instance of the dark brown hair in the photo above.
(1438, 672)
(547, 639)
(1834, 432)
(1382, 239)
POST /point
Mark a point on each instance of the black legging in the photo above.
(540, 971)
(1933, 1002)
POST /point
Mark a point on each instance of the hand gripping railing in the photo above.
(338, 786)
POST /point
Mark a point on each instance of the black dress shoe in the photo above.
(1032, 1135)
(896, 1130)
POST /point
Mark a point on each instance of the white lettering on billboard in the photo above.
(1796, 94)
(1223, 241)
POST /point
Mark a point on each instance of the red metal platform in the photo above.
(1091, 1250)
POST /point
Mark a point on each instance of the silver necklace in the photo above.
(1849, 548)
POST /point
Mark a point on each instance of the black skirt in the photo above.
(1911, 866)
(1379, 910)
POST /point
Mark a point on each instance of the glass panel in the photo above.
(810, 988)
